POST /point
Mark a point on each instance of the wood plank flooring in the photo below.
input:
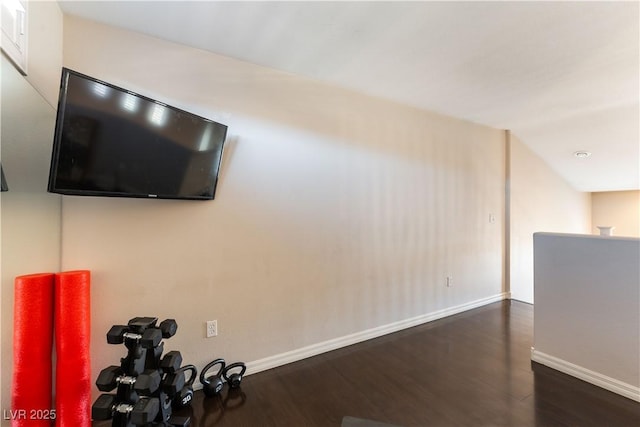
(471, 369)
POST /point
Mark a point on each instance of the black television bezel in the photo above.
(58, 135)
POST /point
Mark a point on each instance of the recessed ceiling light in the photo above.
(582, 154)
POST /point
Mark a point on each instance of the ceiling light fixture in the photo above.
(582, 154)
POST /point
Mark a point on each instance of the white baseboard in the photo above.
(347, 340)
(595, 378)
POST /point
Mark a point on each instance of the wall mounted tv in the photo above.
(110, 141)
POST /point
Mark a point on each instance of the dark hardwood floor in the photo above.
(471, 369)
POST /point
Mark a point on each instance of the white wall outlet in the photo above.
(212, 328)
(449, 281)
(492, 218)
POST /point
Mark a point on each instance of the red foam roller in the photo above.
(73, 336)
(32, 343)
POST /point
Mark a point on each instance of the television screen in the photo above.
(110, 141)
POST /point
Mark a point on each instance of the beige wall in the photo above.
(540, 200)
(335, 213)
(30, 217)
(620, 209)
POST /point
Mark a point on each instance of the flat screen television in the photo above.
(110, 141)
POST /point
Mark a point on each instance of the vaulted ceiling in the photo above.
(563, 76)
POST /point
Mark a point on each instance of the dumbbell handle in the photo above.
(125, 379)
(123, 408)
(132, 336)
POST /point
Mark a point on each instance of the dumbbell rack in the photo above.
(147, 384)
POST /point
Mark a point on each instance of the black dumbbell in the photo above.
(108, 378)
(185, 396)
(147, 383)
(171, 362)
(150, 334)
(234, 379)
(148, 338)
(105, 407)
(145, 411)
(143, 331)
(151, 338)
(115, 335)
(173, 383)
(212, 385)
(138, 325)
(169, 327)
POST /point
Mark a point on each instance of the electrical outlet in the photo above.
(449, 281)
(212, 328)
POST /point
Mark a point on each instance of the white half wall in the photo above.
(587, 310)
(336, 213)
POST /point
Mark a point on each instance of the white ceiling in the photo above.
(563, 76)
